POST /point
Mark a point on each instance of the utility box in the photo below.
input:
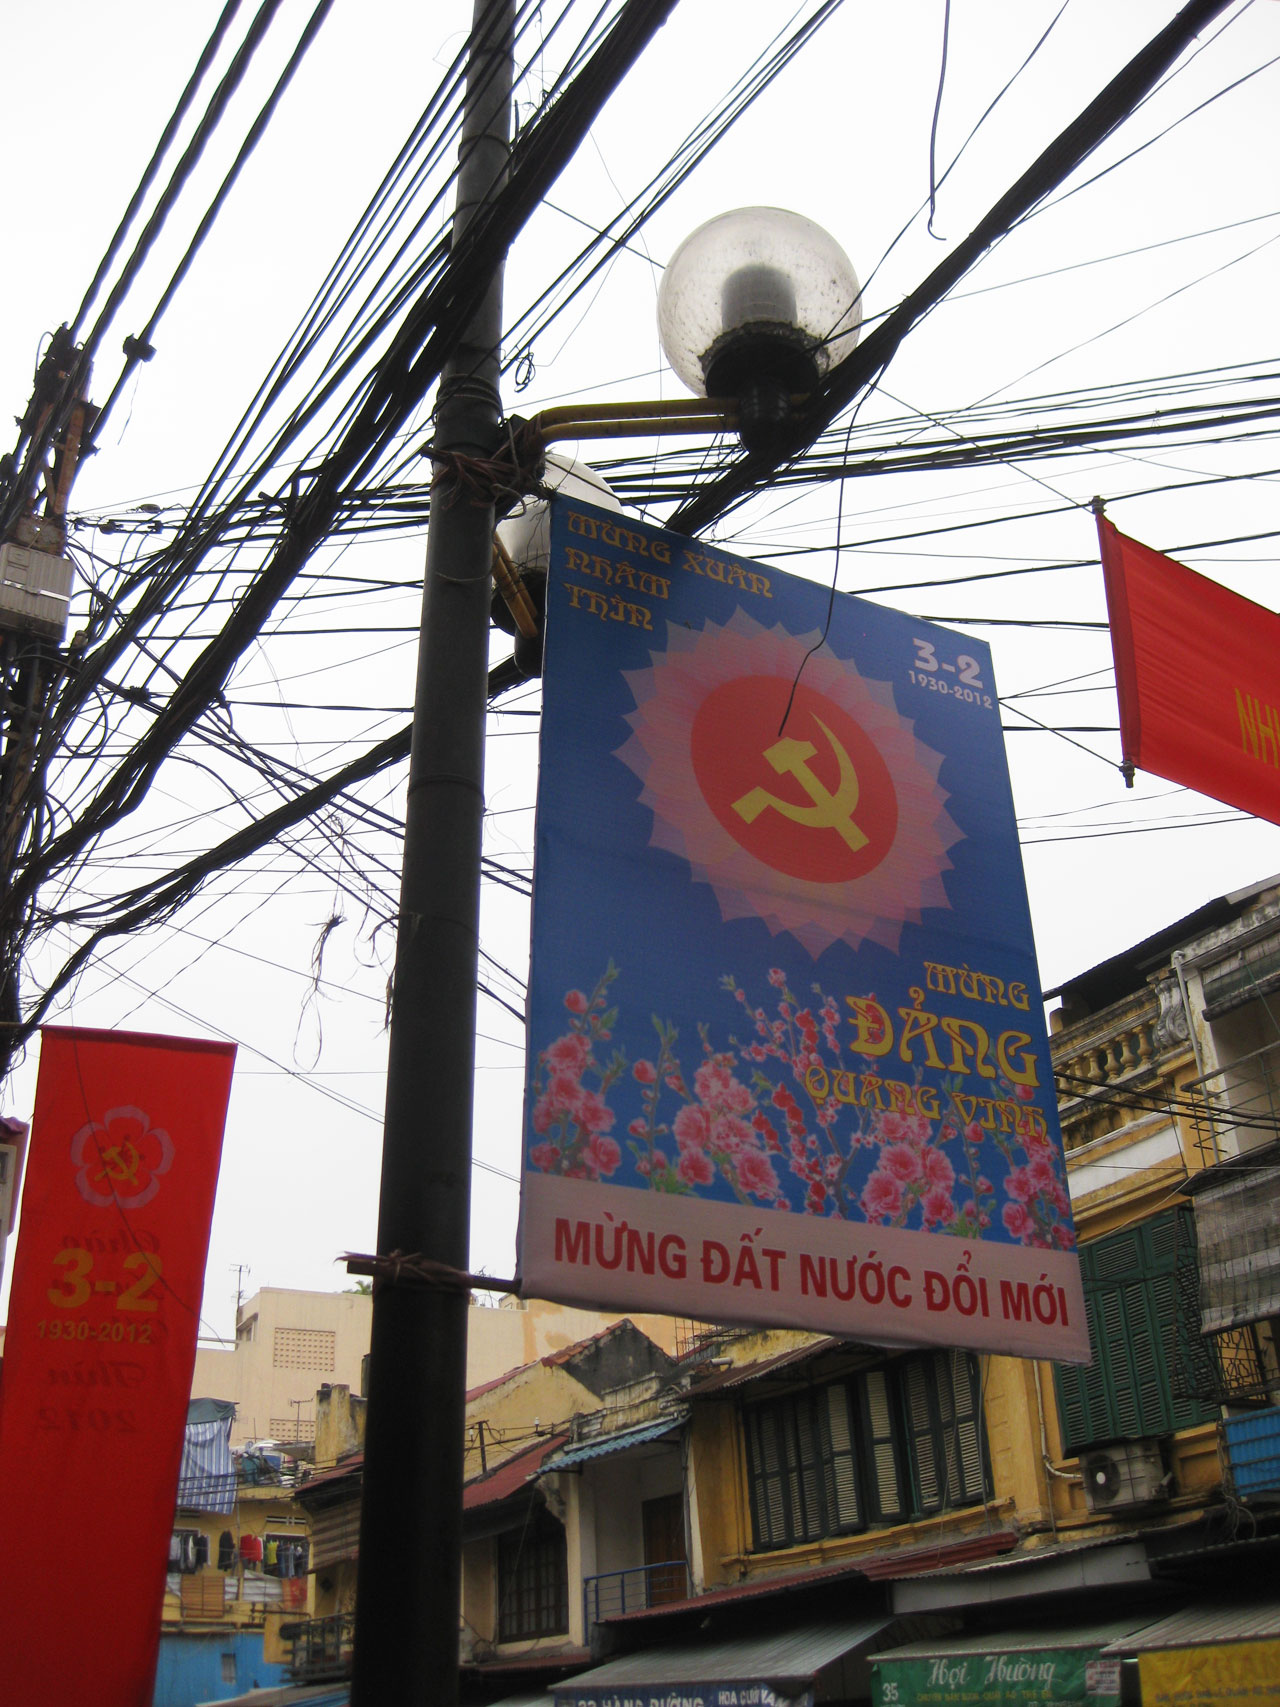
(35, 590)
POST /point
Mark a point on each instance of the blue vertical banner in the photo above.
(787, 1060)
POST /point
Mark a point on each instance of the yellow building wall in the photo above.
(510, 1417)
(720, 1503)
(256, 1512)
(277, 1364)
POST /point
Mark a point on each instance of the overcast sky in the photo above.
(1162, 266)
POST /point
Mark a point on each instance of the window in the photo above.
(228, 1668)
(1131, 1295)
(881, 1447)
(303, 1348)
(533, 1581)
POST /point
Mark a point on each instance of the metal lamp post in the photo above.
(754, 309)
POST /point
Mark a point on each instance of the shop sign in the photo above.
(683, 1695)
(997, 1679)
(1216, 1676)
(787, 1059)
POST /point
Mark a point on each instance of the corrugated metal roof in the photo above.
(1054, 1554)
(781, 1658)
(1033, 1639)
(510, 1476)
(1205, 1624)
(292, 1695)
(621, 1441)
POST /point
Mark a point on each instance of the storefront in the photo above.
(1010, 1669)
(1219, 1654)
(825, 1662)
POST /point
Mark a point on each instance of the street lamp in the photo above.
(758, 305)
(755, 307)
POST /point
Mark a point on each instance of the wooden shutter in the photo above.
(844, 1507)
(765, 1473)
(1131, 1303)
(922, 1431)
(807, 1477)
(1194, 1398)
(961, 1374)
(880, 1454)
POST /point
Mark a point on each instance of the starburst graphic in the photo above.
(832, 829)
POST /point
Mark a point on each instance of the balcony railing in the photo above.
(633, 1590)
(1237, 1107)
(322, 1647)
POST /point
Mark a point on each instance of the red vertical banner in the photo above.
(1197, 677)
(108, 1275)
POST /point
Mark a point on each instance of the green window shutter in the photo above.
(1082, 1389)
(884, 1476)
(811, 1459)
(942, 1392)
(1131, 1283)
(765, 1473)
(923, 1434)
(1194, 1397)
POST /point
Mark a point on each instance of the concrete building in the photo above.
(290, 1343)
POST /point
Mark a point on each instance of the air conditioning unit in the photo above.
(1130, 1473)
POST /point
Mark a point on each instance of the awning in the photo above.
(778, 1669)
(1013, 1667)
(1214, 1652)
(621, 1441)
(1112, 1561)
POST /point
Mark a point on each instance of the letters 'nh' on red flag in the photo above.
(107, 1280)
(1197, 675)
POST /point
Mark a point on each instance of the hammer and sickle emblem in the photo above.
(829, 811)
(119, 1162)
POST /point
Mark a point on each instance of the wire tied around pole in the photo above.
(411, 1268)
(513, 471)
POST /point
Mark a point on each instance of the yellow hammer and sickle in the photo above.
(829, 811)
(116, 1165)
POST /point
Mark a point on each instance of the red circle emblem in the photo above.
(816, 803)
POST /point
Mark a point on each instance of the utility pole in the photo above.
(408, 1595)
(35, 587)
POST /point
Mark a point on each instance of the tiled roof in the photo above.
(738, 1374)
(510, 1476)
(344, 1467)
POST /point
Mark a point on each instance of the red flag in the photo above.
(1197, 675)
(123, 1162)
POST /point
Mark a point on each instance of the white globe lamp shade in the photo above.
(526, 532)
(526, 536)
(758, 305)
